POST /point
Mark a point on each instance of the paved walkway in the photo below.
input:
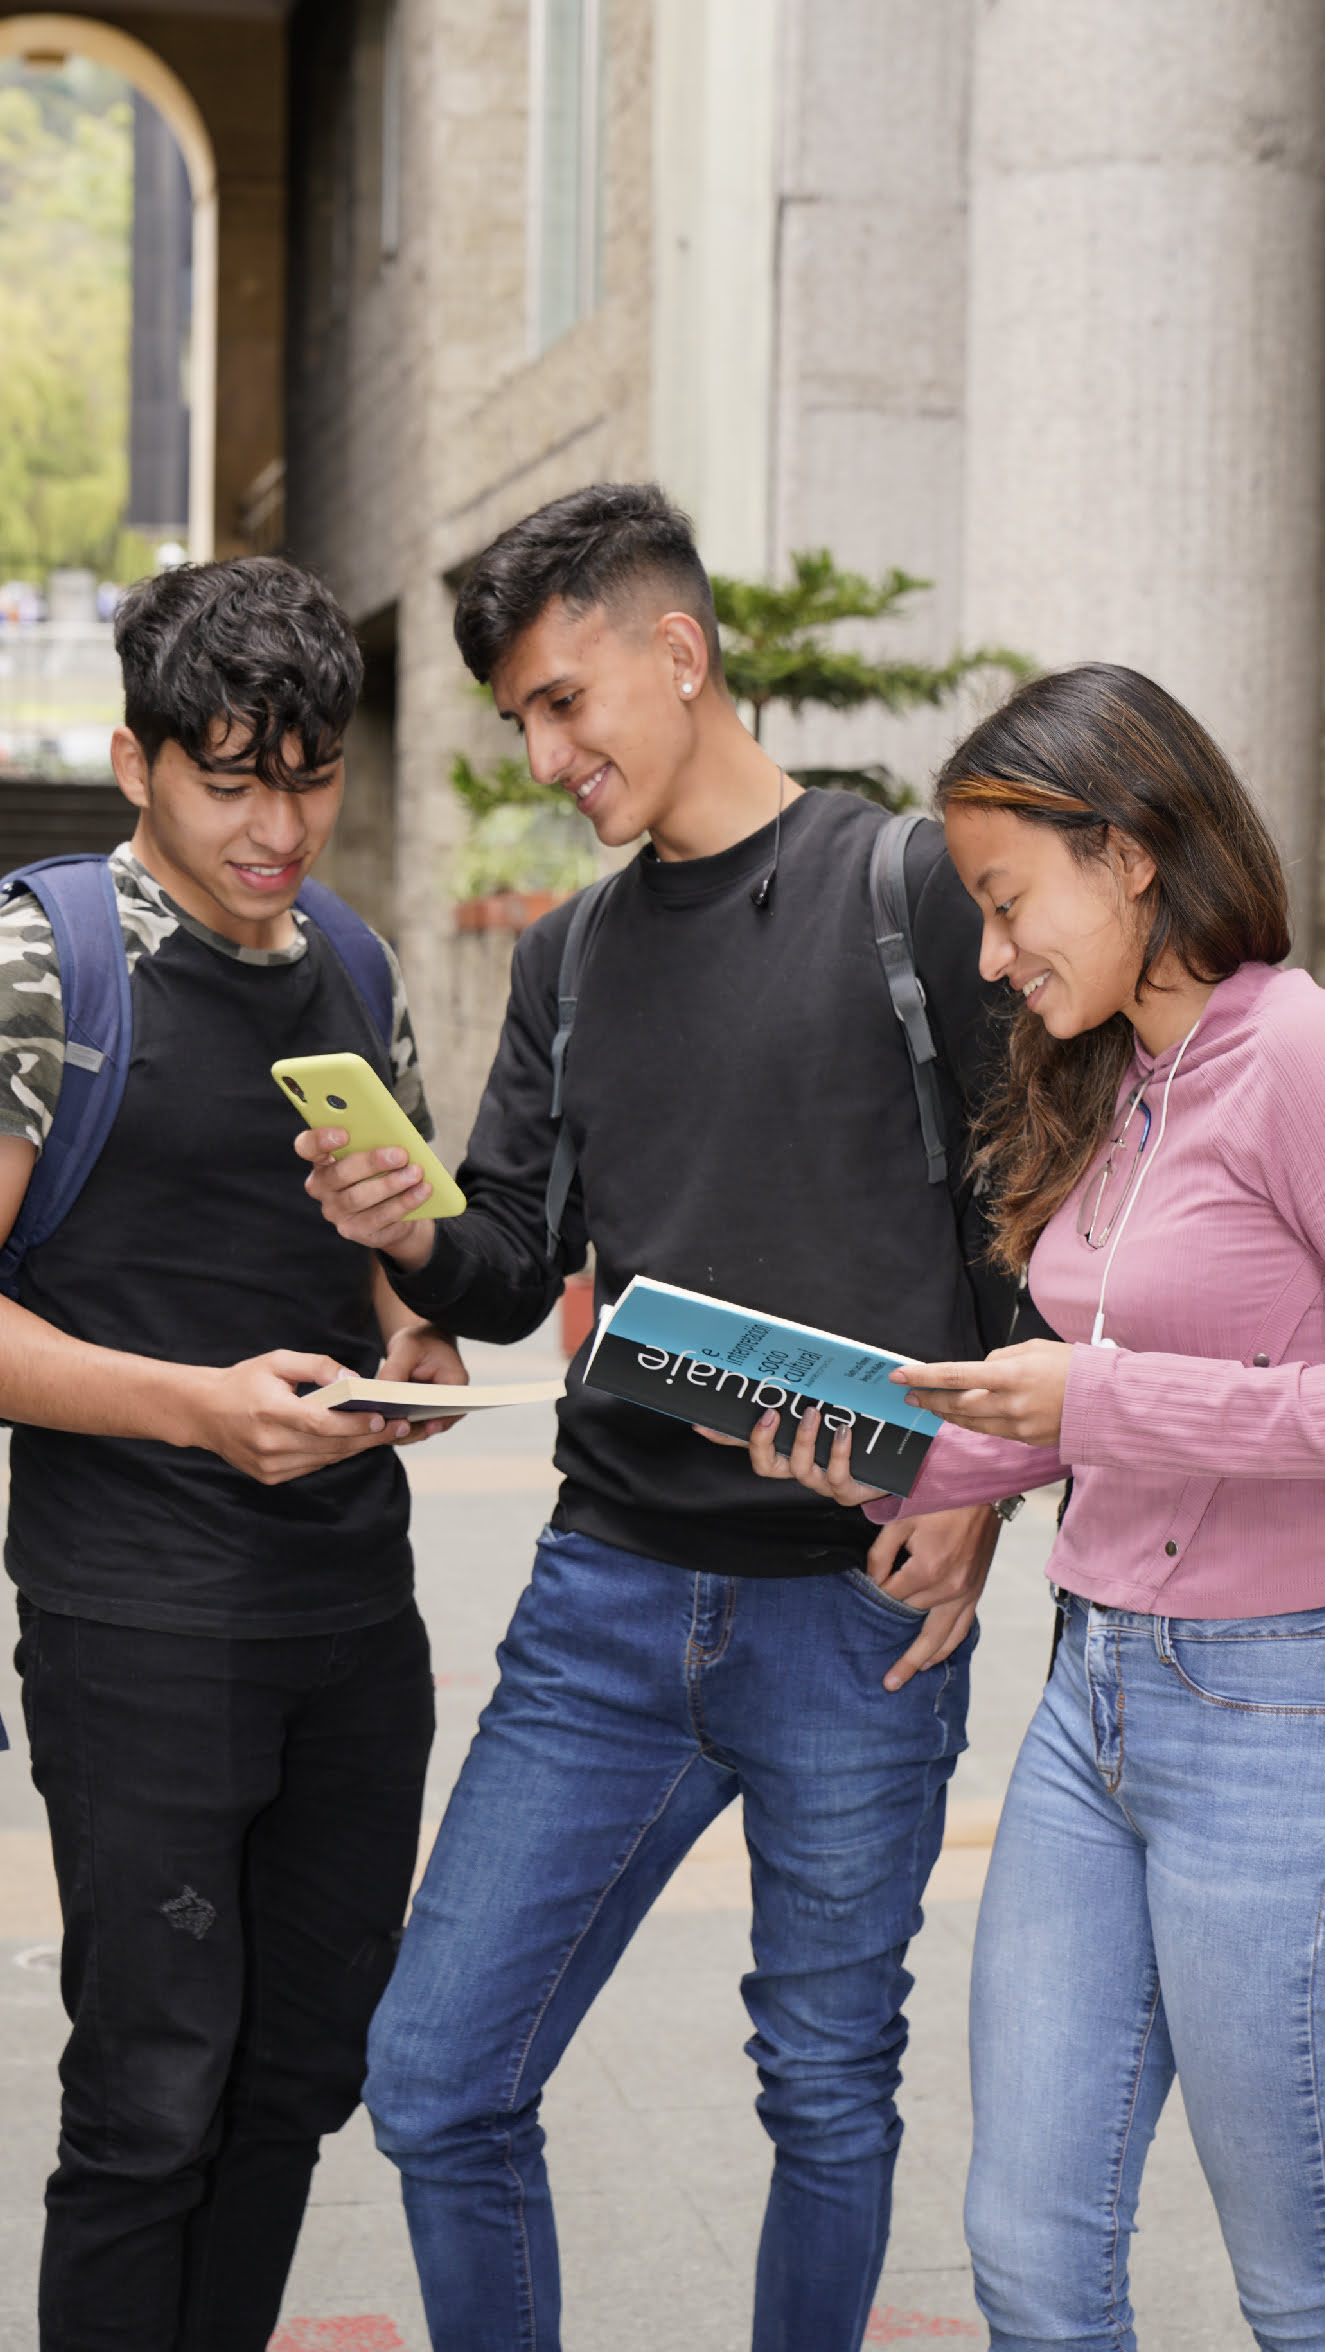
(659, 2164)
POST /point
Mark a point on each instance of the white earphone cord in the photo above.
(1097, 1338)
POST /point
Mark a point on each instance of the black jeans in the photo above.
(234, 1825)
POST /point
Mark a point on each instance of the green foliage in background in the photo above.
(66, 199)
(777, 647)
(522, 835)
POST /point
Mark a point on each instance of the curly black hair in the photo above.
(607, 544)
(251, 642)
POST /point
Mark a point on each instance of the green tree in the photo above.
(778, 647)
(66, 197)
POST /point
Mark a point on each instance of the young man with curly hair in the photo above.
(225, 1677)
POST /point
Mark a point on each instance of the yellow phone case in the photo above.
(343, 1090)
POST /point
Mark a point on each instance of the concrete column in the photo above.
(871, 322)
(1146, 356)
(714, 103)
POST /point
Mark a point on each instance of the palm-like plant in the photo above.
(777, 647)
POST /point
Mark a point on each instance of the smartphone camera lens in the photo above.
(335, 1102)
(295, 1088)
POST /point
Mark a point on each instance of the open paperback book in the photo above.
(430, 1400)
(705, 1361)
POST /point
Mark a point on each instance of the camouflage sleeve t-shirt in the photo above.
(193, 1241)
(32, 1013)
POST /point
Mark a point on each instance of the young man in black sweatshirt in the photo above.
(742, 1109)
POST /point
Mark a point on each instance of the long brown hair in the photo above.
(1083, 750)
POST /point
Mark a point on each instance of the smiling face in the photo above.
(1066, 934)
(606, 705)
(231, 850)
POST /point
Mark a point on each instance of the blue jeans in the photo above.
(636, 1700)
(1154, 1906)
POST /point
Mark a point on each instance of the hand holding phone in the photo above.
(343, 1090)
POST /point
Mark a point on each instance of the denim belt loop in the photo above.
(1163, 1640)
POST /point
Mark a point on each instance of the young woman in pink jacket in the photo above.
(1156, 1897)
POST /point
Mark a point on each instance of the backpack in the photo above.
(77, 895)
(995, 1294)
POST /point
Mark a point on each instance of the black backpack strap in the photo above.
(589, 910)
(896, 953)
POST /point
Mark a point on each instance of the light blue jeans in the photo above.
(1154, 1906)
(637, 1700)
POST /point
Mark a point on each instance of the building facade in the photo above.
(1025, 296)
(1022, 295)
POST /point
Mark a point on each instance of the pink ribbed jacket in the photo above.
(1199, 1471)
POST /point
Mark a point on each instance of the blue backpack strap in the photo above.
(359, 949)
(77, 896)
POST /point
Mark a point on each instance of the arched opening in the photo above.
(111, 300)
(47, 39)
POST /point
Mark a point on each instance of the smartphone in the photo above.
(343, 1090)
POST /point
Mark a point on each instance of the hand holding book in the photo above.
(833, 1479)
(1016, 1392)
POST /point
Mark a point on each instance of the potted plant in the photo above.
(525, 851)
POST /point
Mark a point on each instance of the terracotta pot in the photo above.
(506, 910)
(576, 1311)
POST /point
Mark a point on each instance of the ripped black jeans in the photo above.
(234, 1825)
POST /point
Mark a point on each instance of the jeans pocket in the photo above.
(1256, 1665)
(865, 1585)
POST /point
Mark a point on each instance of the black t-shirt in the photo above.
(193, 1241)
(741, 1101)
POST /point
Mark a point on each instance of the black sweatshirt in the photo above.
(742, 1105)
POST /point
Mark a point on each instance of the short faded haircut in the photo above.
(615, 544)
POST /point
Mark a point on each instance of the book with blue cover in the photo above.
(705, 1361)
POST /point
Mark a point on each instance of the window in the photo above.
(565, 165)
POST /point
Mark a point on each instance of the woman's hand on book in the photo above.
(1016, 1392)
(835, 1484)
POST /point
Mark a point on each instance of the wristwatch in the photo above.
(1009, 1507)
